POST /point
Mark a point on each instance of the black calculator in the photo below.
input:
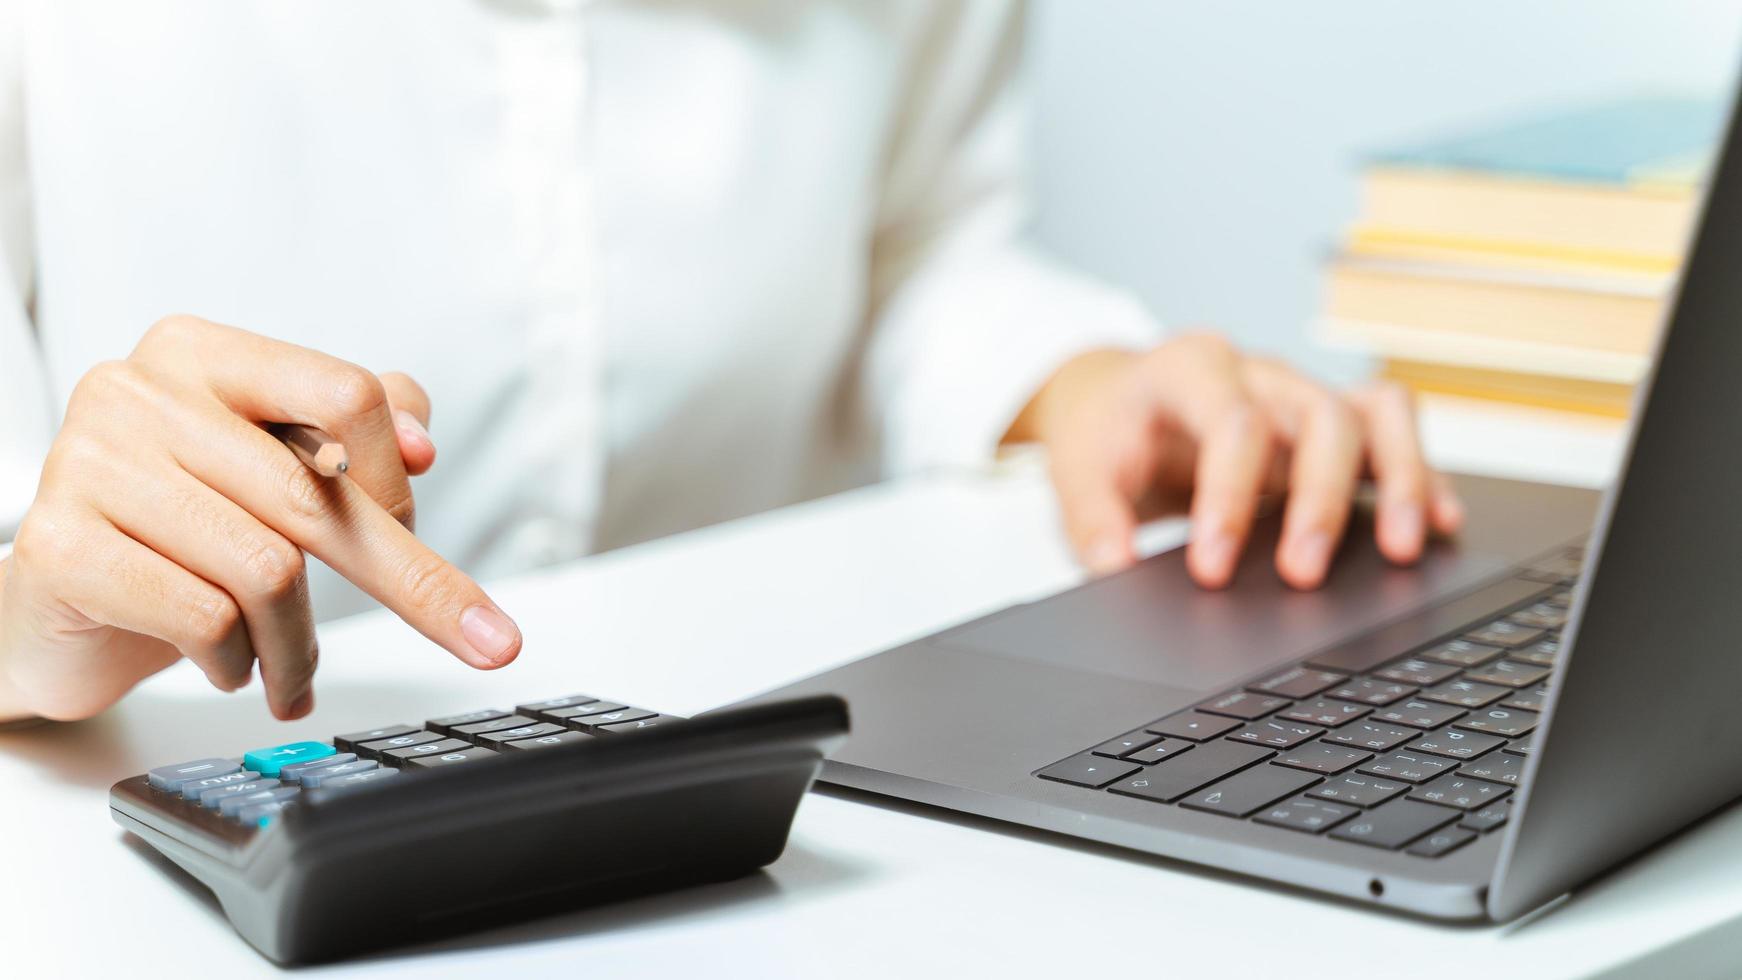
(324, 848)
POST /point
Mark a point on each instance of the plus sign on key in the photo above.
(268, 761)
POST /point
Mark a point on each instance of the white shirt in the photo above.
(657, 264)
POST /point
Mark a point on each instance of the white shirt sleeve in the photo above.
(25, 419)
(968, 319)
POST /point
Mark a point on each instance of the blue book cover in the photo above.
(1660, 139)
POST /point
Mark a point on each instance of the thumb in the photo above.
(410, 406)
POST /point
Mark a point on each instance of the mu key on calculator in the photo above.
(320, 848)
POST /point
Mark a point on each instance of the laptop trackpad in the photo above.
(1151, 623)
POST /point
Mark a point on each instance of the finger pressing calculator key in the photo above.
(261, 827)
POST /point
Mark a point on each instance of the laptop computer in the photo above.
(1468, 738)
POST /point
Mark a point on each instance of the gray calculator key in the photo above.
(1248, 791)
(454, 758)
(171, 778)
(209, 798)
(1456, 789)
(294, 773)
(230, 804)
(1305, 814)
(1408, 766)
(1088, 770)
(350, 780)
(1322, 758)
(1359, 789)
(1441, 842)
(399, 756)
(320, 777)
(548, 741)
(382, 746)
(192, 789)
(1395, 824)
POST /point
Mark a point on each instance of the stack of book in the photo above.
(1528, 262)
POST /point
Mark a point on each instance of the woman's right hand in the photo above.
(169, 523)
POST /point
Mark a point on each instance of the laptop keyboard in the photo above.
(1417, 752)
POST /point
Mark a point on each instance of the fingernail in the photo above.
(408, 424)
(1105, 555)
(1311, 553)
(490, 633)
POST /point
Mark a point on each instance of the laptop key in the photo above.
(1298, 682)
(1460, 653)
(1508, 673)
(1116, 748)
(1088, 770)
(1510, 722)
(1418, 714)
(1359, 789)
(1167, 748)
(1441, 842)
(1408, 766)
(1371, 735)
(1531, 700)
(1243, 705)
(1522, 746)
(1194, 725)
(1276, 734)
(1503, 633)
(1455, 744)
(1561, 570)
(1321, 758)
(1466, 694)
(1499, 767)
(1543, 653)
(1246, 792)
(1416, 671)
(1542, 615)
(1325, 712)
(1487, 818)
(1191, 771)
(1563, 598)
(1458, 790)
(1395, 824)
(1306, 814)
(1366, 690)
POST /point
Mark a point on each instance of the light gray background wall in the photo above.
(1203, 154)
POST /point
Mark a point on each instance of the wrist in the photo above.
(1068, 387)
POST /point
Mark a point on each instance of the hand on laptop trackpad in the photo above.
(1152, 623)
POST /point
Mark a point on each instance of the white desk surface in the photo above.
(863, 890)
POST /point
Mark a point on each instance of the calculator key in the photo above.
(316, 778)
(1118, 748)
(339, 784)
(1276, 734)
(1544, 615)
(1325, 712)
(636, 724)
(1416, 671)
(1321, 758)
(1371, 735)
(353, 741)
(1189, 771)
(1487, 818)
(230, 804)
(171, 778)
(376, 748)
(445, 726)
(1458, 790)
(209, 797)
(1408, 766)
(1455, 744)
(1460, 653)
(470, 753)
(261, 814)
(493, 725)
(1088, 770)
(192, 789)
(269, 760)
(1306, 814)
(595, 723)
(395, 757)
(1417, 713)
(1194, 725)
(1441, 842)
(495, 739)
(1394, 824)
(1248, 791)
(1502, 633)
(1500, 767)
(536, 709)
(1244, 705)
(548, 741)
(1543, 653)
(1298, 682)
(1359, 789)
(1510, 722)
(1531, 700)
(1369, 691)
(1465, 694)
(1509, 673)
(1167, 748)
(293, 773)
(575, 711)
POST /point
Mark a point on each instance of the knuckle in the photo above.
(212, 617)
(42, 539)
(305, 495)
(275, 569)
(357, 393)
(427, 582)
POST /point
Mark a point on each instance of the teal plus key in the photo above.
(268, 761)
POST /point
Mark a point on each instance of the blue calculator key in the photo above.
(269, 760)
(230, 805)
(171, 778)
(319, 776)
(210, 797)
(294, 772)
(192, 789)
